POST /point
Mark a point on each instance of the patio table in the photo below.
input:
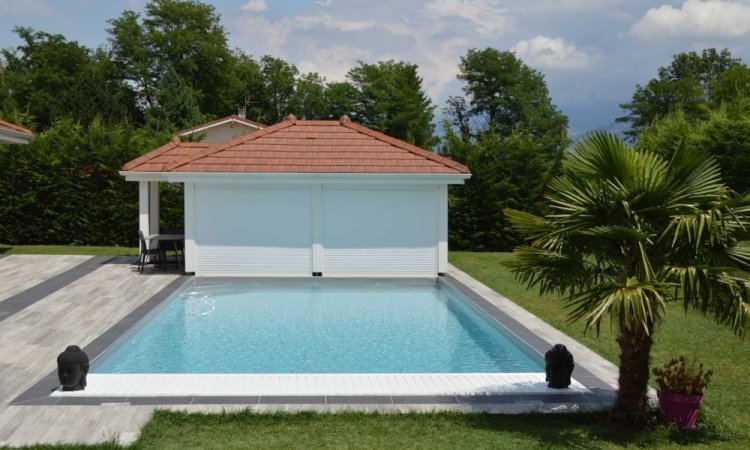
(174, 238)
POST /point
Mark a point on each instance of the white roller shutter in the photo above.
(380, 232)
(252, 231)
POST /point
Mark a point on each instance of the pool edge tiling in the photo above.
(590, 393)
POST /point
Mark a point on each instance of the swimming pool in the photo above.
(311, 326)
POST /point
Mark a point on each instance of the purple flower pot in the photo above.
(679, 408)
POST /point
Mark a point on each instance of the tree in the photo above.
(41, 71)
(176, 107)
(340, 99)
(630, 230)
(511, 136)
(503, 95)
(279, 78)
(98, 92)
(507, 172)
(185, 34)
(724, 134)
(692, 83)
(309, 99)
(248, 86)
(389, 98)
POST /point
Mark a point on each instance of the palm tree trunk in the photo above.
(631, 405)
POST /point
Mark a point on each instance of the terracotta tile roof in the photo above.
(232, 118)
(16, 128)
(299, 146)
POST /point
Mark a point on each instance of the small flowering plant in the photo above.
(680, 376)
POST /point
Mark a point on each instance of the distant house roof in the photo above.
(234, 119)
(299, 146)
(13, 134)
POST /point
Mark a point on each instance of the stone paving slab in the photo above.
(31, 339)
(21, 272)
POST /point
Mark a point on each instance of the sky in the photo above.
(591, 52)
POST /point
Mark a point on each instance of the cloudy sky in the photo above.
(592, 52)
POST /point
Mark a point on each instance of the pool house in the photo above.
(305, 198)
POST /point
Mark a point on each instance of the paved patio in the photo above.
(101, 294)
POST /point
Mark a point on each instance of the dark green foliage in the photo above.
(505, 95)
(692, 83)
(724, 133)
(511, 136)
(279, 79)
(40, 72)
(99, 93)
(340, 99)
(183, 34)
(309, 100)
(175, 107)
(64, 187)
(388, 97)
(505, 171)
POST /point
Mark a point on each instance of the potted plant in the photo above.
(680, 390)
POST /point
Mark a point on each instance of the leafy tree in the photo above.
(511, 136)
(339, 97)
(507, 172)
(248, 86)
(503, 95)
(99, 92)
(389, 98)
(309, 99)
(176, 107)
(629, 231)
(279, 78)
(724, 134)
(692, 83)
(185, 34)
(39, 73)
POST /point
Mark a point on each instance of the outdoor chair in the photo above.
(148, 253)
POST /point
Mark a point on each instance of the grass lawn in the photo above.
(724, 420)
(66, 250)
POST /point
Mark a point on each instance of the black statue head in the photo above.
(558, 367)
(72, 368)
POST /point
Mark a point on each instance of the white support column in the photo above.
(316, 206)
(442, 228)
(144, 223)
(153, 207)
(190, 247)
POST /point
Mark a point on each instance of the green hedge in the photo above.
(64, 187)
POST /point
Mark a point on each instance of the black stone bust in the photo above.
(72, 368)
(558, 367)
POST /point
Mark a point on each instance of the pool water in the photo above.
(317, 326)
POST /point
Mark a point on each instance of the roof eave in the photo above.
(9, 136)
(268, 177)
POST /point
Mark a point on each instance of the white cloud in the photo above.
(720, 18)
(255, 6)
(486, 15)
(331, 40)
(552, 53)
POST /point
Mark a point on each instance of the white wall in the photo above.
(385, 230)
(224, 132)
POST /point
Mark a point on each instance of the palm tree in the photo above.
(629, 231)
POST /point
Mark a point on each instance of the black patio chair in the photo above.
(147, 253)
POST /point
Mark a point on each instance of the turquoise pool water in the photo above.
(316, 326)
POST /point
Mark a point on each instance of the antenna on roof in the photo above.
(242, 110)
